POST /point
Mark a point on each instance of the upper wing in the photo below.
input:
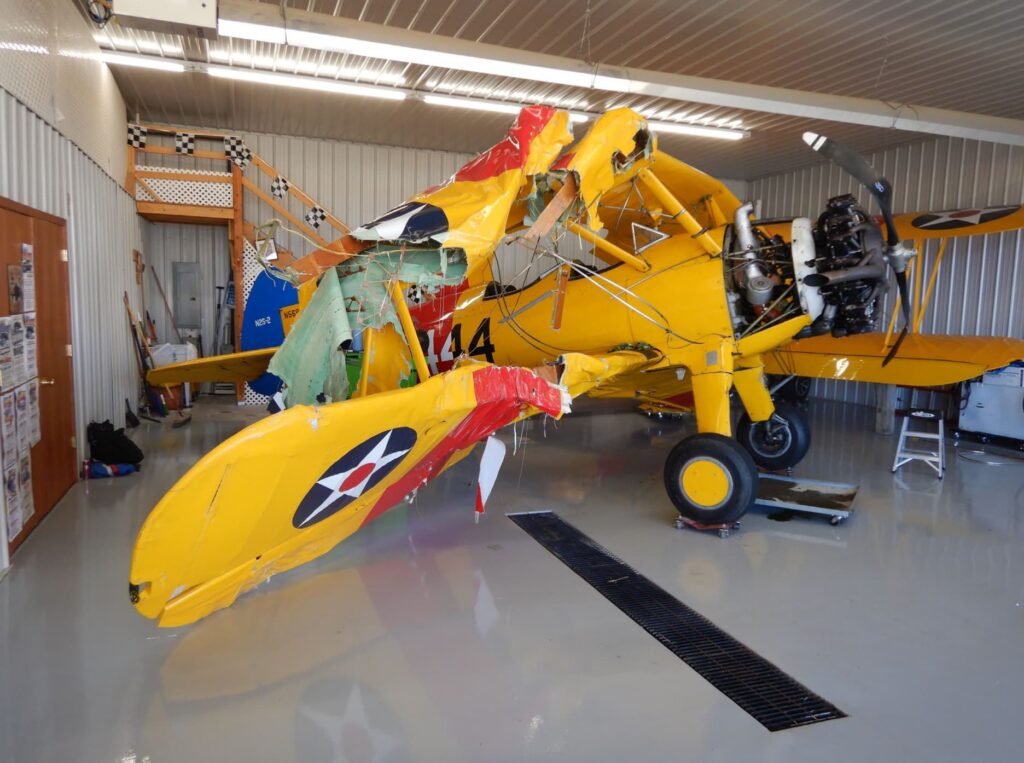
(236, 367)
(924, 360)
(959, 222)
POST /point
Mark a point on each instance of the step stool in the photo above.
(936, 459)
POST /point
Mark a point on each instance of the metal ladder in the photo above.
(936, 459)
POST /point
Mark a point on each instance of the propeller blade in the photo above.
(858, 166)
(901, 283)
(895, 347)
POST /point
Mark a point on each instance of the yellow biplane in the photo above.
(407, 353)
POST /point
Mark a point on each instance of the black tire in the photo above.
(780, 443)
(801, 388)
(705, 451)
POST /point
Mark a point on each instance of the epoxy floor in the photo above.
(429, 637)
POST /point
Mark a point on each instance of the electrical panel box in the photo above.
(172, 16)
(995, 405)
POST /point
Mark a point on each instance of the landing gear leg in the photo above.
(776, 434)
(709, 476)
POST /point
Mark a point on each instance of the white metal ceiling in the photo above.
(943, 53)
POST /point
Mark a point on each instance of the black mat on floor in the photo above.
(775, 700)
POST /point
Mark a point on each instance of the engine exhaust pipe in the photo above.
(856, 273)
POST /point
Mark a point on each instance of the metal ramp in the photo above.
(806, 496)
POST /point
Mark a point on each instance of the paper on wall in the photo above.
(6, 360)
(25, 486)
(8, 428)
(17, 350)
(28, 279)
(36, 433)
(31, 369)
(12, 499)
(23, 423)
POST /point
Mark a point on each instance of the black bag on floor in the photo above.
(112, 446)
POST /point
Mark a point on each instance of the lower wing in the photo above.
(236, 367)
(290, 487)
(924, 360)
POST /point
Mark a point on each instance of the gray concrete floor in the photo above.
(429, 637)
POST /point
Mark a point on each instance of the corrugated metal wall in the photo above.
(167, 243)
(978, 291)
(42, 169)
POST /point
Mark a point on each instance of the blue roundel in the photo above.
(261, 322)
(353, 474)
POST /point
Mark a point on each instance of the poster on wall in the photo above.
(11, 499)
(23, 423)
(14, 291)
(31, 368)
(17, 350)
(6, 361)
(8, 428)
(25, 487)
(33, 411)
(28, 279)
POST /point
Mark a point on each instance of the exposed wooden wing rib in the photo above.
(924, 360)
(237, 367)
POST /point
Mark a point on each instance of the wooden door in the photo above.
(54, 457)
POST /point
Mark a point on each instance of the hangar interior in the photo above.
(652, 473)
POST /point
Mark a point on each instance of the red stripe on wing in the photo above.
(501, 392)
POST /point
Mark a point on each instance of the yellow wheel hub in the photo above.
(706, 482)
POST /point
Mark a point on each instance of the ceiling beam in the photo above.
(263, 21)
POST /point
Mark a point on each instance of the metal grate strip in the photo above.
(771, 697)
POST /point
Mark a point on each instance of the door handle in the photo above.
(47, 381)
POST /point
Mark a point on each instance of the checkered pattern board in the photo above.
(416, 295)
(279, 186)
(251, 268)
(184, 143)
(137, 136)
(315, 217)
(236, 150)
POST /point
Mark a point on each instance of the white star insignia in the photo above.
(963, 216)
(352, 482)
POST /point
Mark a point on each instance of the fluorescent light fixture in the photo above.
(305, 83)
(698, 131)
(142, 61)
(495, 106)
(250, 31)
(424, 57)
(468, 103)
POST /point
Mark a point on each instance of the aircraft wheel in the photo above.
(710, 478)
(779, 443)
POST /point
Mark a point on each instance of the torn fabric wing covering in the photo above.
(614, 132)
(583, 373)
(470, 211)
(311, 361)
(365, 280)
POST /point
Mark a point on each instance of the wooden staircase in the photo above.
(215, 197)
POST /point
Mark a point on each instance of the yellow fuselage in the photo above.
(679, 307)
